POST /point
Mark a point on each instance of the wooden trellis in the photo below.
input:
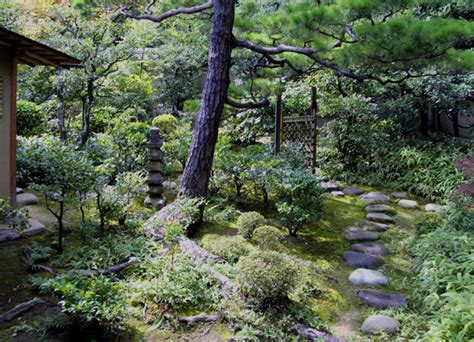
(301, 129)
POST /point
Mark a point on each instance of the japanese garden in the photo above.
(237, 170)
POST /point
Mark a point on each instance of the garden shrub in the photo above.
(166, 123)
(267, 237)
(267, 276)
(248, 222)
(231, 248)
(30, 119)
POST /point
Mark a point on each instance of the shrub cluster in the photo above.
(231, 248)
(267, 237)
(248, 222)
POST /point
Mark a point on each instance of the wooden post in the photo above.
(278, 124)
(13, 86)
(314, 112)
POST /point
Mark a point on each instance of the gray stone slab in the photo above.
(375, 197)
(357, 260)
(26, 199)
(34, 227)
(376, 324)
(19, 191)
(374, 248)
(380, 217)
(372, 226)
(353, 191)
(399, 194)
(381, 300)
(432, 207)
(328, 186)
(407, 204)
(358, 234)
(366, 277)
(337, 193)
(379, 208)
(8, 235)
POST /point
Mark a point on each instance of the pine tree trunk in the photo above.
(201, 153)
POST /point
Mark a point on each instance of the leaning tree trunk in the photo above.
(201, 153)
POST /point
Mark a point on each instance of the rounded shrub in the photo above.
(167, 123)
(248, 222)
(267, 276)
(267, 237)
(231, 248)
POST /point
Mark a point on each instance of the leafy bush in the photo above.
(30, 119)
(231, 248)
(166, 123)
(267, 237)
(248, 222)
(177, 145)
(267, 276)
(15, 217)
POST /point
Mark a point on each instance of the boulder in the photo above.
(8, 235)
(356, 260)
(169, 185)
(26, 199)
(366, 277)
(376, 324)
(432, 207)
(358, 234)
(337, 193)
(19, 191)
(373, 248)
(375, 197)
(407, 204)
(372, 226)
(381, 300)
(34, 227)
(353, 191)
(399, 194)
(379, 208)
(328, 186)
(380, 217)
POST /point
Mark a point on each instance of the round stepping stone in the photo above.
(373, 248)
(432, 207)
(379, 208)
(376, 324)
(399, 194)
(19, 191)
(8, 235)
(34, 227)
(356, 260)
(365, 277)
(358, 234)
(353, 191)
(372, 226)
(329, 187)
(380, 217)
(407, 204)
(375, 197)
(26, 199)
(381, 300)
(337, 193)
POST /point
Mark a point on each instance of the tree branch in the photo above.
(247, 105)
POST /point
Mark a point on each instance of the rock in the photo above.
(363, 276)
(356, 260)
(375, 197)
(379, 208)
(381, 300)
(8, 235)
(372, 226)
(337, 193)
(353, 191)
(328, 186)
(380, 217)
(407, 204)
(20, 309)
(399, 194)
(375, 324)
(373, 248)
(432, 207)
(358, 234)
(169, 185)
(26, 199)
(34, 227)
(310, 334)
(19, 191)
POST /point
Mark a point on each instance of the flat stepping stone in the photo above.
(376, 324)
(356, 260)
(353, 191)
(381, 300)
(399, 194)
(380, 217)
(358, 234)
(337, 193)
(372, 226)
(366, 277)
(373, 248)
(329, 187)
(34, 227)
(432, 207)
(375, 197)
(379, 208)
(8, 235)
(26, 199)
(407, 204)
(19, 191)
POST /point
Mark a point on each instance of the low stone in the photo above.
(372, 226)
(432, 207)
(328, 186)
(353, 191)
(34, 227)
(356, 260)
(8, 235)
(375, 197)
(337, 193)
(26, 199)
(376, 324)
(380, 217)
(366, 277)
(373, 248)
(407, 204)
(170, 185)
(19, 191)
(381, 300)
(399, 194)
(379, 208)
(358, 234)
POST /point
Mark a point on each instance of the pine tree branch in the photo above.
(247, 105)
(168, 14)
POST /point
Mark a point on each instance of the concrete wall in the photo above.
(5, 138)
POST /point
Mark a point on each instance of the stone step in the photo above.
(357, 260)
(381, 300)
(353, 191)
(358, 234)
(375, 197)
(34, 227)
(373, 248)
(8, 235)
(407, 204)
(376, 324)
(26, 199)
(337, 194)
(328, 186)
(380, 217)
(366, 277)
(379, 208)
(397, 194)
(432, 207)
(372, 226)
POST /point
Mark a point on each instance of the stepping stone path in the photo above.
(381, 299)
(432, 207)
(373, 248)
(375, 197)
(380, 217)
(329, 187)
(378, 208)
(372, 226)
(356, 260)
(34, 227)
(353, 191)
(407, 204)
(365, 277)
(8, 235)
(337, 193)
(376, 324)
(399, 194)
(358, 234)
(26, 199)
